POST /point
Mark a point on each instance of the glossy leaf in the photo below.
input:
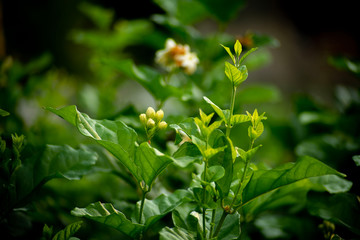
(106, 214)
(187, 154)
(215, 173)
(264, 181)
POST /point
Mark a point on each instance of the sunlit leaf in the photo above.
(264, 181)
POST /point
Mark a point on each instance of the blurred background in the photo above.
(99, 55)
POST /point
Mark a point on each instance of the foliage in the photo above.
(141, 173)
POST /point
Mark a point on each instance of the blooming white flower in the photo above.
(177, 56)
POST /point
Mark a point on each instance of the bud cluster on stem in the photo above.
(152, 121)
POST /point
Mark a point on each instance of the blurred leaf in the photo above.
(4, 113)
(68, 231)
(225, 10)
(342, 208)
(150, 79)
(106, 214)
(346, 64)
(357, 160)
(186, 11)
(175, 234)
(317, 117)
(100, 16)
(125, 33)
(264, 181)
(144, 162)
(258, 94)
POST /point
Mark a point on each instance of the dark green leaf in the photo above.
(43, 164)
(357, 160)
(4, 113)
(106, 214)
(68, 231)
(342, 208)
(187, 154)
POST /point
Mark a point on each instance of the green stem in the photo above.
(142, 205)
(228, 129)
(212, 224)
(221, 222)
(204, 196)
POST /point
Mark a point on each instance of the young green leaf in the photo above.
(223, 114)
(236, 76)
(239, 118)
(229, 52)
(237, 48)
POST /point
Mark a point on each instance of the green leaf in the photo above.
(246, 156)
(214, 173)
(182, 217)
(68, 231)
(42, 164)
(223, 114)
(106, 214)
(236, 76)
(144, 162)
(4, 113)
(224, 10)
(100, 16)
(187, 154)
(239, 118)
(175, 234)
(229, 52)
(225, 159)
(231, 226)
(237, 48)
(356, 160)
(264, 181)
(150, 79)
(340, 208)
(156, 209)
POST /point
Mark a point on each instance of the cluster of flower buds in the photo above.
(177, 56)
(152, 121)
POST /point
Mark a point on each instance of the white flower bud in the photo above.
(143, 119)
(159, 115)
(162, 125)
(150, 112)
(150, 123)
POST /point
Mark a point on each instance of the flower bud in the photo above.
(162, 125)
(159, 115)
(150, 123)
(143, 118)
(150, 112)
